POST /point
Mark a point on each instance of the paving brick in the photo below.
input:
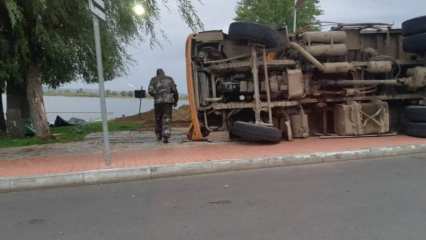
(195, 153)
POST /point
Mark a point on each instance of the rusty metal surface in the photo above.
(354, 65)
(296, 84)
(300, 125)
(379, 66)
(210, 36)
(361, 118)
(418, 77)
(338, 67)
(327, 49)
(239, 105)
(304, 101)
(325, 37)
(246, 66)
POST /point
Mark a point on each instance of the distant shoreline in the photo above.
(90, 95)
(85, 95)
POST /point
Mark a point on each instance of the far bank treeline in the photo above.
(50, 42)
(93, 93)
(87, 93)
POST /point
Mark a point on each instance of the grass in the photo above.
(68, 134)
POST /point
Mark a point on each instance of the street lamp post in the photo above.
(97, 7)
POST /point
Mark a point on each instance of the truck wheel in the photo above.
(414, 26)
(257, 33)
(255, 133)
(416, 129)
(415, 113)
(415, 43)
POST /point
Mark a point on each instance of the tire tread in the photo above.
(415, 113)
(257, 33)
(414, 26)
(255, 133)
(416, 129)
(415, 43)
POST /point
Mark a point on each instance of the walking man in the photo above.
(163, 89)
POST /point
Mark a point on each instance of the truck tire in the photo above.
(415, 113)
(255, 133)
(415, 43)
(256, 33)
(416, 129)
(414, 26)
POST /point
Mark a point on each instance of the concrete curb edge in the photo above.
(153, 172)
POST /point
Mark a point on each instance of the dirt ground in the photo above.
(181, 118)
(120, 141)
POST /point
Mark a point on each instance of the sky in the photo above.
(218, 14)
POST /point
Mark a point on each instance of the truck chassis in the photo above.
(353, 80)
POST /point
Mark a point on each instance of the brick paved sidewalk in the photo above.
(185, 153)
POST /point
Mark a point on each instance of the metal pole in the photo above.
(140, 103)
(363, 82)
(267, 86)
(295, 17)
(255, 72)
(107, 148)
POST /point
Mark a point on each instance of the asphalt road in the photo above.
(375, 199)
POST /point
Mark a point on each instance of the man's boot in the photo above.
(165, 140)
(159, 138)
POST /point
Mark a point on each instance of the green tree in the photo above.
(8, 65)
(278, 13)
(53, 42)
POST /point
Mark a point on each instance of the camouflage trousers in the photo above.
(163, 119)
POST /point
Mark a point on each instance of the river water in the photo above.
(88, 108)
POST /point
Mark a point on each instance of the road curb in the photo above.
(154, 172)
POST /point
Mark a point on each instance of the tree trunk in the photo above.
(17, 111)
(36, 102)
(2, 120)
(17, 98)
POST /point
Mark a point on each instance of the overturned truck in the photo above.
(262, 84)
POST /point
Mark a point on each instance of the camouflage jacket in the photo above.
(163, 89)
